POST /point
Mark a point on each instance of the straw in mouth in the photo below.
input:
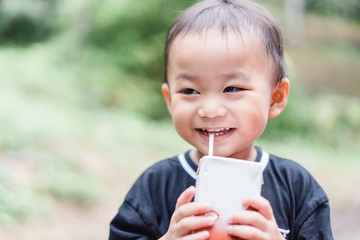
(211, 144)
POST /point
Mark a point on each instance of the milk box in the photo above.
(226, 183)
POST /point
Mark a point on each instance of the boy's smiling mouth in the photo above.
(215, 131)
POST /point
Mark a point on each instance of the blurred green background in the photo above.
(81, 112)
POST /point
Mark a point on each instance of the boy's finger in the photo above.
(185, 225)
(185, 197)
(191, 209)
(250, 218)
(197, 236)
(262, 205)
(245, 232)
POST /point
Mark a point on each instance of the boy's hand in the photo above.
(188, 217)
(257, 224)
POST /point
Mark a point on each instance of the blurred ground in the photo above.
(91, 222)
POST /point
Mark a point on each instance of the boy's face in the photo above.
(222, 85)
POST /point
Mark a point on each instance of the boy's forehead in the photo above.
(247, 41)
(211, 47)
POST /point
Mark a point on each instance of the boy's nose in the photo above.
(211, 109)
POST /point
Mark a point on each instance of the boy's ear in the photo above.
(279, 98)
(165, 89)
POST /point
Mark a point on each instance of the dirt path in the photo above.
(346, 224)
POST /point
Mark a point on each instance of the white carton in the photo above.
(226, 183)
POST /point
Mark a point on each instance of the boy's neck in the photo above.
(196, 155)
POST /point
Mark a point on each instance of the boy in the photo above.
(224, 74)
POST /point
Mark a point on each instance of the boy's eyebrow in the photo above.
(226, 76)
(185, 76)
(235, 74)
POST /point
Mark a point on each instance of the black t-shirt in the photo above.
(300, 206)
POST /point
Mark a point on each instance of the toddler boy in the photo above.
(224, 75)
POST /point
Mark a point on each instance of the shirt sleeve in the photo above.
(317, 225)
(129, 224)
(313, 210)
(149, 204)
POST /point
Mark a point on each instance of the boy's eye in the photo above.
(189, 91)
(233, 89)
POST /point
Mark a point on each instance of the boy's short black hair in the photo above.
(236, 16)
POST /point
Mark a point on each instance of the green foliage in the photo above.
(327, 118)
(22, 23)
(39, 106)
(294, 120)
(345, 8)
(134, 37)
(319, 116)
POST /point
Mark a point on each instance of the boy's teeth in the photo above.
(216, 132)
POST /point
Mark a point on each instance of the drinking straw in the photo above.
(211, 144)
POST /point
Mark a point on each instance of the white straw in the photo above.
(211, 145)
